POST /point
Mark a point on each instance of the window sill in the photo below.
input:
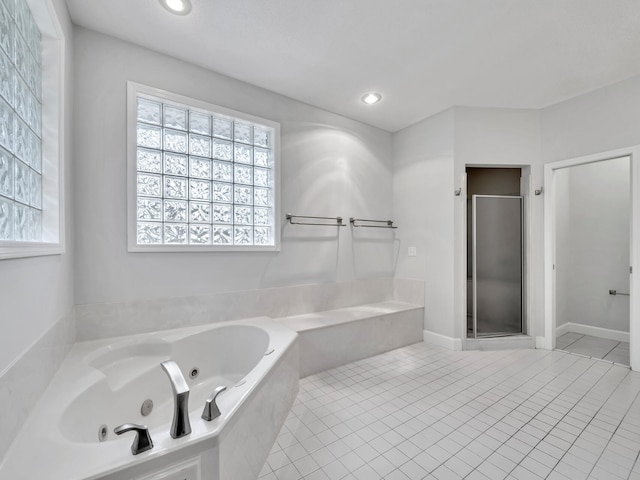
(9, 250)
(201, 248)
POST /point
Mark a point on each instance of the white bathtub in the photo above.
(105, 383)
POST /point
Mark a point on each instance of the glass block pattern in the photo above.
(20, 124)
(202, 178)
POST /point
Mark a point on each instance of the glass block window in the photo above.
(202, 177)
(20, 124)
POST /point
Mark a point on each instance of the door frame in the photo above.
(549, 339)
(526, 191)
(474, 203)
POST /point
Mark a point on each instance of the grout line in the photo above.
(591, 419)
(568, 345)
(515, 375)
(611, 350)
(559, 420)
(594, 357)
(617, 426)
(506, 391)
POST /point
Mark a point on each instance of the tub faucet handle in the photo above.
(142, 442)
(211, 409)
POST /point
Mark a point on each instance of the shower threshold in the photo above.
(499, 342)
(496, 335)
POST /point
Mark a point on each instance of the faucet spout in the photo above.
(180, 425)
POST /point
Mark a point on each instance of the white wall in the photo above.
(592, 245)
(37, 292)
(423, 187)
(330, 166)
(496, 137)
(501, 137)
(603, 120)
(429, 162)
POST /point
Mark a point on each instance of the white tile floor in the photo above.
(423, 412)
(595, 347)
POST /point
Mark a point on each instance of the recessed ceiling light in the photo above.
(371, 98)
(179, 7)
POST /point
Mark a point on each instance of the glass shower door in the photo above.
(497, 266)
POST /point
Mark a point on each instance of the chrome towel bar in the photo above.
(386, 223)
(337, 220)
(615, 292)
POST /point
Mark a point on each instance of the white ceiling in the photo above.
(423, 55)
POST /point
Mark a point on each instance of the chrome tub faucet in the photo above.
(142, 442)
(180, 425)
(211, 409)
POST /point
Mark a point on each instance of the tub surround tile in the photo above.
(336, 337)
(265, 412)
(22, 384)
(97, 321)
(310, 321)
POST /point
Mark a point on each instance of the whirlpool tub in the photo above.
(106, 383)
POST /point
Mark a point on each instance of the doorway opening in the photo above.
(592, 225)
(495, 252)
(553, 287)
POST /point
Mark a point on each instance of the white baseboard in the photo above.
(442, 340)
(607, 333)
(541, 342)
(565, 328)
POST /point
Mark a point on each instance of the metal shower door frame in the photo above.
(475, 259)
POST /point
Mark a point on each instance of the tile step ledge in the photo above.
(336, 337)
(329, 318)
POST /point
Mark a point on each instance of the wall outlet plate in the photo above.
(412, 251)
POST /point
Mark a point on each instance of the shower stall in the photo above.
(495, 253)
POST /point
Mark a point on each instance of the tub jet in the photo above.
(103, 433)
(146, 407)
